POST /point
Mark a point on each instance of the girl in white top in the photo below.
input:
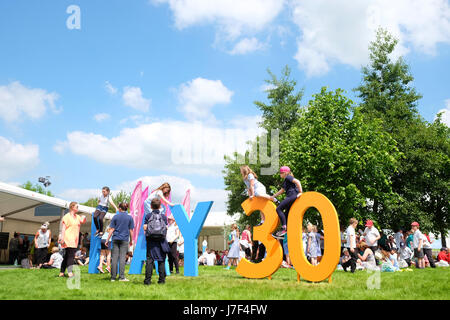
(163, 194)
(101, 210)
(254, 187)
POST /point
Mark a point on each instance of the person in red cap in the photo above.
(293, 190)
(371, 236)
(418, 245)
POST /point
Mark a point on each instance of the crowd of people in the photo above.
(369, 249)
(375, 250)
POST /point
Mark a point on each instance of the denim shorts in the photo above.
(102, 208)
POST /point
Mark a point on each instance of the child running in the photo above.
(254, 187)
(293, 190)
(102, 209)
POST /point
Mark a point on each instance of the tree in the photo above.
(387, 95)
(433, 167)
(342, 155)
(284, 107)
(36, 188)
(281, 113)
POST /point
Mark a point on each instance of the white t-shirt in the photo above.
(157, 194)
(417, 236)
(172, 235)
(210, 259)
(180, 247)
(426, 243)
(57, 260)
(370, 235)
(405, 253)
(105, 201)
(351, 237)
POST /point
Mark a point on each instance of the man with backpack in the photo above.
(155, 227)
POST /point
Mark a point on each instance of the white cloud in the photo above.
(199, 96)
(16, 158)
(340, 31)
(132, 97)
(81, 195)
(17, 101)
(173, 146)
(446, 113)
(247, 45)
(232, 17)
(110, 89)
(100, 117)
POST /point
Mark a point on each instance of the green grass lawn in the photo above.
(217, 283)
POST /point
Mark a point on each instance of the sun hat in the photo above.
(415, 224)
(369, 223)
(285, 169)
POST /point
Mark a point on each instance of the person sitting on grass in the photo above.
(345, 257)
(81, 257)
(386, 262)
(211, 258)
(55, 261)
(444, 255)
(393, 258)
(405, 254)
(368, 258)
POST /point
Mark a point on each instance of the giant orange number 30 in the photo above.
(274, 255)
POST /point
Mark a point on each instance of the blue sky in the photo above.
(106, 104)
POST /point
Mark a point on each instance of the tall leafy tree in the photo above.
(433, 167)
(284, 106)
(387, 94)
(334, 150)
(280, 112)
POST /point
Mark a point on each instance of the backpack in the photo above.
(156, 227)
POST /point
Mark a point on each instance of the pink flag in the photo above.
(187, 202)
(136, 208)
(168, 212)
(144, 197)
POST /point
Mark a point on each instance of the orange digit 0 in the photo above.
(262, 233)
(332, 243)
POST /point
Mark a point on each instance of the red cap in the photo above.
(415, 224)
(369, 223)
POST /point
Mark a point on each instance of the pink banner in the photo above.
(187, 202)
(136, 208)
(144, 197)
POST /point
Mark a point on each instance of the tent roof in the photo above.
(26, 205)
